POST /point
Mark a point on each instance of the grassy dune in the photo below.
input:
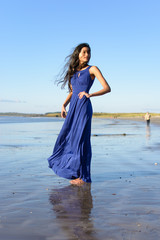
(125, 115)
(110, 115)
(96, 115)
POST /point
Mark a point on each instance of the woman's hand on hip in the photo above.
(81, 94)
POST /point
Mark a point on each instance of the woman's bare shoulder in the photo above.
(94, 69)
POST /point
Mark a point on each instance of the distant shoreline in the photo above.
(138, 116)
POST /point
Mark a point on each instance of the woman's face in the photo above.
(84, 55)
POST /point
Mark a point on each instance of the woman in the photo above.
(72, 153)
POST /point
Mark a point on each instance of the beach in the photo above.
(121, 203)
(154, 120)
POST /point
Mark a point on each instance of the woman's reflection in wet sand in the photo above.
(73, 205)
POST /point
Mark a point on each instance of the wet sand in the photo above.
(121, 203)
(154, 120)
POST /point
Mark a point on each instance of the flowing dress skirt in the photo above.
(72, 153)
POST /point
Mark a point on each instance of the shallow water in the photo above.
(121, 203)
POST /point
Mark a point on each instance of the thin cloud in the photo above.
(12, 101)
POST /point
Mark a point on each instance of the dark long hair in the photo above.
(71, 66)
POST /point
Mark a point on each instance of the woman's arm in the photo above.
(63, 111)
(106, 88)
(95, 72)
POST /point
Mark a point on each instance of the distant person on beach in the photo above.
(72, 152)
(147, 117)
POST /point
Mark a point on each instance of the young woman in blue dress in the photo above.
(71, 156)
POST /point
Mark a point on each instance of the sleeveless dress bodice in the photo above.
(81, 81)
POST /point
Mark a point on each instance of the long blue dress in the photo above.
(72, 152)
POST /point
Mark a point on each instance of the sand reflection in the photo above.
(148, 134)
(72, 206)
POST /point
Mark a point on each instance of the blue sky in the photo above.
(37, 35)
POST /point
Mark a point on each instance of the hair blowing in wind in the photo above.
(71, 66)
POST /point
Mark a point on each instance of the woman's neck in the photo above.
(82, 65)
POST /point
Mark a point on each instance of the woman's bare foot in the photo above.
(77, 181)
(74, 181)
